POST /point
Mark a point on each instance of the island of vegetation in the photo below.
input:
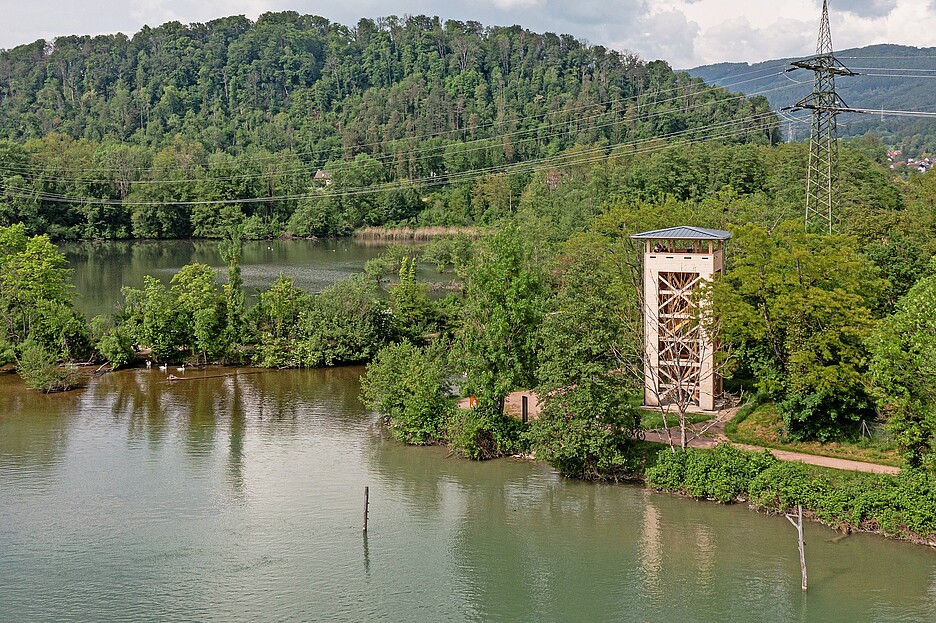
(548, 153)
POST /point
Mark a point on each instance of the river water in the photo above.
(237, 495)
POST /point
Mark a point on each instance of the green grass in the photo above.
(759, 424)
(650, 420)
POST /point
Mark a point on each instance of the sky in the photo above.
(686, 33)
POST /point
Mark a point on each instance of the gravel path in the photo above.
(712, 433)
(708, 435)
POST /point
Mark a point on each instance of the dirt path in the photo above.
(711, 433)
(708, 435)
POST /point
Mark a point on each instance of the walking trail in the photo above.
(709, 434)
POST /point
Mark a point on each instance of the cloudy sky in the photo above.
(684, 32)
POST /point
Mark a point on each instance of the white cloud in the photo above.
(667, 35)
(738, 39)
(515, 4)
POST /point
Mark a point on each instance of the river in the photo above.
(237, 495)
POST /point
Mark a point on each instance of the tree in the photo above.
(153, 319)
(345, 323)
(409, 301)
(903, 368)
(796, 308)
(407, 385)
(36, 298)
(276, 321)
(504, 303)
(230, 248)
(584, 428)
(201, 311)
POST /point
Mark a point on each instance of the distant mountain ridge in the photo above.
(891, 77)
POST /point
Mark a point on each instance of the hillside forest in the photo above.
(549, 153)
(181, 128)
(893, 83)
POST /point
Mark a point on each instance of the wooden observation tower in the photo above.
(679, 357)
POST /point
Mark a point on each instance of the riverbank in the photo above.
(847, 495)
(901, 506)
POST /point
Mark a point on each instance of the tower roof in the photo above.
(684, 232)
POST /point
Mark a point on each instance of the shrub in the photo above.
(37, 368)
(406, 384)
(902, 505)
(584, 431)
(721, 474)
(478, 434)
(825, 416)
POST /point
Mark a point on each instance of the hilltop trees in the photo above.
(141, 136)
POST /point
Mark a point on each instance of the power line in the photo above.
(475, 145)
(899, 76)
(727, 129)
(825, 104)
(892, 69)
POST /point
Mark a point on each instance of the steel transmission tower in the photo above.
(825, 104)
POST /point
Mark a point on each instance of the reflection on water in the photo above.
(238, 495)
(651, 550)
(102, 268)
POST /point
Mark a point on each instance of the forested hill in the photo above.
(892, 77)
(257, 107)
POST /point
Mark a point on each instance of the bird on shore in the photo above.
(163, 367)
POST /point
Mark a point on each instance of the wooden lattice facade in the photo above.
(679, 357)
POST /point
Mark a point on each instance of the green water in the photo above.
(240, 497)
(237, 495)
(102, 268)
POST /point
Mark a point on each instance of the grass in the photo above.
(762, 425)
(651, 420)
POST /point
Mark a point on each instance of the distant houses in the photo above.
(322, 178)
(895, 158)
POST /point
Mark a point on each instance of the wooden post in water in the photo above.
(525, 408)
(798, 524)
(366, 502)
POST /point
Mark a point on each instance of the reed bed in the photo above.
(412, 234)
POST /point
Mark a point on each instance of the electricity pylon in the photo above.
(825, 104)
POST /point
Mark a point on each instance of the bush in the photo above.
(721, 474)
(116, 348)
(585, 432)
(36, 366)
(480, 435)
(902, 505)
(825, 416)
(345, 323)
(406, 385)
(113, 343)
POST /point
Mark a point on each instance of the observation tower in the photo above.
(679, 355)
